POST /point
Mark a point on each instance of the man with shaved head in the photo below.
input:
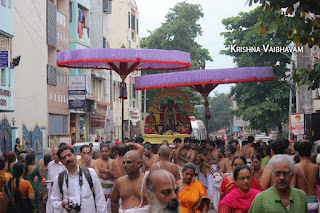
(165, 163)
(162, 192)
(130, 187)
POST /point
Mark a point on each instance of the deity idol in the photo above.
(170, 119)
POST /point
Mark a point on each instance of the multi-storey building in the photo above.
(57, 77)
(30, 77)
(124, 25)
(101, 121)
(6, 73)
(80, 38)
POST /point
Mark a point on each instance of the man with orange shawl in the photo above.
(193, 196)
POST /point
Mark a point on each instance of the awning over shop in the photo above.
(103, 103)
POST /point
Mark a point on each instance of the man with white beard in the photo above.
(162, 192)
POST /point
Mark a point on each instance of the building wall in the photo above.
(58, 94)
(6, 14)
(121, 33)
(6, 77)
(96, 26)
(6, 73)
(30, 77)
(74, 24)
(237, 121)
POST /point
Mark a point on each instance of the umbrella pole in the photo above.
(122, 119)
(205, 96)
(207, 128)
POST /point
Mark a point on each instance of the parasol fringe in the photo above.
(207, 82)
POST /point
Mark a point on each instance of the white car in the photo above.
(265, 139)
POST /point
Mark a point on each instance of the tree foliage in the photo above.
(220, 108)
(179, 32)
(300, 22)
(264, 104)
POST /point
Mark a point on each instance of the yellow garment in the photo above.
(191, 197)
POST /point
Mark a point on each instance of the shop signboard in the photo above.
(77, 92)
(297, 123)
(4, 59)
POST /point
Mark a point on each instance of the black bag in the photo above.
(16, 204)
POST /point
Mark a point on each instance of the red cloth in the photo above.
(227, 186)
(80, 29)
(235, 200)
(117, 143)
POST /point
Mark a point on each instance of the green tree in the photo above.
(300, 22)
(221, 112)
(179, 32)
(264, 104)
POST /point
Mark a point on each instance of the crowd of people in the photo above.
(189, 176)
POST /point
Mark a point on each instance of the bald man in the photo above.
(130, 187)
(164, 163)
(162, 192)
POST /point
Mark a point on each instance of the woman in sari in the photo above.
(256, 167)
(32, 174)
(11, 159)
(192, 194)
(228, 183)
(239, 200)
(5, 176)
(22, 190)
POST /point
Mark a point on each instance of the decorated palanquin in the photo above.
(168, 121)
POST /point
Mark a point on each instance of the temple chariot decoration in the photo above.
(167, 120)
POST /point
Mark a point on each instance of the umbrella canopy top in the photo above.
(202, 77)
(113, 59)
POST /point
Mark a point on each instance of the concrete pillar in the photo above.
(44, 137)
(14, 136)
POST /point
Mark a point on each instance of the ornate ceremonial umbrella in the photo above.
(204, 81)
(124, 61)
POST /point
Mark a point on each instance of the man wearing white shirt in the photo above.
(54, 168)
(92, 136)
(76, 188)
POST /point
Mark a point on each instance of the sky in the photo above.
(152, 14)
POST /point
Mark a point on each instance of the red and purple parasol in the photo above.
(204, 81)
(124, 61)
